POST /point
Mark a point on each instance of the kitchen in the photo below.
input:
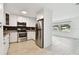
(13, 24)
(15, 35)
(21, 25)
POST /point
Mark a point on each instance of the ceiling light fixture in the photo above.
(23, 12)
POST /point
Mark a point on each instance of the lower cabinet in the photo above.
(30, 35)
(9, 37)
(6, 44)
(13, 36)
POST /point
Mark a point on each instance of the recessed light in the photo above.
(23, 12)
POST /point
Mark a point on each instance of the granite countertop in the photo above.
(8, 32)
(8, 29)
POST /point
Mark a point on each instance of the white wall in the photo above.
(47, 27)
(47, 14)
(40, 14)
(74, 32)
(2, 21)
(66, 12)
(29, 21)
(1, 28)
(68, 40)
(63, 11)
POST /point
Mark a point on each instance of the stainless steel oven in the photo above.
(22, 34)
(21, 30)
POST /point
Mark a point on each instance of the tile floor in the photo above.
(64, 46)
(25, 48)
(60, 46)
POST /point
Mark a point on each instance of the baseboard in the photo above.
(66, 37)
(23, 41)
(12, 42)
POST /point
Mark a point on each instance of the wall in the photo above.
(1, 28)
(29, 21)
(47, 27)
(40, 14)
(63, 11)
(47, 15)
(2, 21)
(68, 40)
(74, 32)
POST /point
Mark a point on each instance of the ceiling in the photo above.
(60, 10)
(16, 8)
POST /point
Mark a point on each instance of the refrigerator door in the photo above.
(39, 34)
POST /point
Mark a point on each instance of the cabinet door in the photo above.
(7, 19)
(13, 37)
(6, 44)
(30, 35)
(13, 20)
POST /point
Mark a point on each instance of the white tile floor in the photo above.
(60, 46)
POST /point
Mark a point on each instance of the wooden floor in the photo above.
(25, 48)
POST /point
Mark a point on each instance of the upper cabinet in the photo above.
(7, 19)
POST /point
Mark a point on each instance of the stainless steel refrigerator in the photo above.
(40, 33)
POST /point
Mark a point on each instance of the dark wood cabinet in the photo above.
(7, 19)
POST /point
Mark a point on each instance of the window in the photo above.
(62, 26)
(65, 27)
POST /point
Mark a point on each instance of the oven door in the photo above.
(22, 34)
